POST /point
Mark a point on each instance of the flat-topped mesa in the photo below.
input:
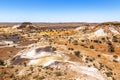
(109, 23)
(24, 25)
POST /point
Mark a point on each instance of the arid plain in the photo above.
(60, 51)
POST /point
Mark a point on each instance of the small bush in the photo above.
(115, 56)
(58, 74)
(111, 49)
(91, 47)
(41, 78)
(109, 43)
(99, 55)
(11, 76)
(53, 48)
(77, 53)
(115, 39)
(109, 74)
(96, 41)
(70, 49)
(2, 62)
(75, 42)
(115, 61)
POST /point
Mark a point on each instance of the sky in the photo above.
(59, 10)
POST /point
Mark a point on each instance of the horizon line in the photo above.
(58, 22)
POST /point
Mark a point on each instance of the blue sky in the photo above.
(59, 10)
